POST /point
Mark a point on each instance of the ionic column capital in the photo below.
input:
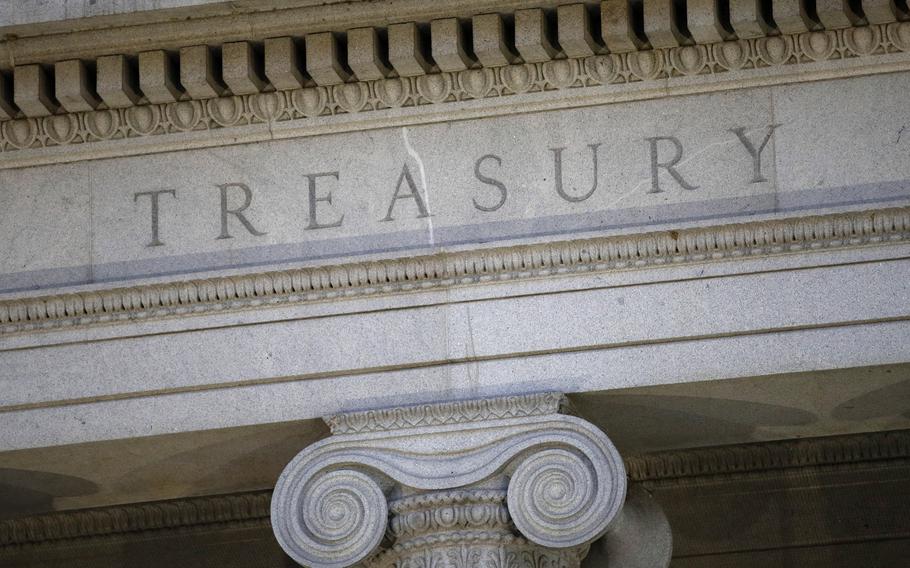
(515, 475)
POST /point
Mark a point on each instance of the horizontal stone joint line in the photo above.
(437, 363)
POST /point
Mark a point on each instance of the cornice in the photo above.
(131, 32)
(83, 125)
(502, 264)
(856, 450)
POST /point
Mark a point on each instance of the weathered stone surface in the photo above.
(660, 23)
(426, 187)
(598, 331)
(117, 83)
(835, 14)
(490, 45)
(533, 38)
(35, 11)
(198, 74)
(449, 49)
(703, 19)
(67, 242)
(158, 77)
(364, 55)
(241, 68)
(621, 76)
(746, 19)
(616, 26)
(575, 33)
(32, 91)
(323, 61)
(561, 209)
(282, 64)
(91, 356)
(72, 86)
(407, 50)
(791, 17)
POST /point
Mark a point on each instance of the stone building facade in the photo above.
(498, 283)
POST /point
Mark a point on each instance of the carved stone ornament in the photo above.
(144, 126)
(504, 482)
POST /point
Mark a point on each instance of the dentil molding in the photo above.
(416, 72)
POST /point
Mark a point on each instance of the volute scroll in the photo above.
(474, 480)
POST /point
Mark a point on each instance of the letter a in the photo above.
(413, 194)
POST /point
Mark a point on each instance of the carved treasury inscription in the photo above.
(404, 197)
(397, 192)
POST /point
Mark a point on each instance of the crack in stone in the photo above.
(423, 181)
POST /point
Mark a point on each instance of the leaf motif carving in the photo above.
(61, 128)
(102, 124)
(310, 101)
(143, 120)
(21, 133)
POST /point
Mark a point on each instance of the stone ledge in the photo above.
(204, 296)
